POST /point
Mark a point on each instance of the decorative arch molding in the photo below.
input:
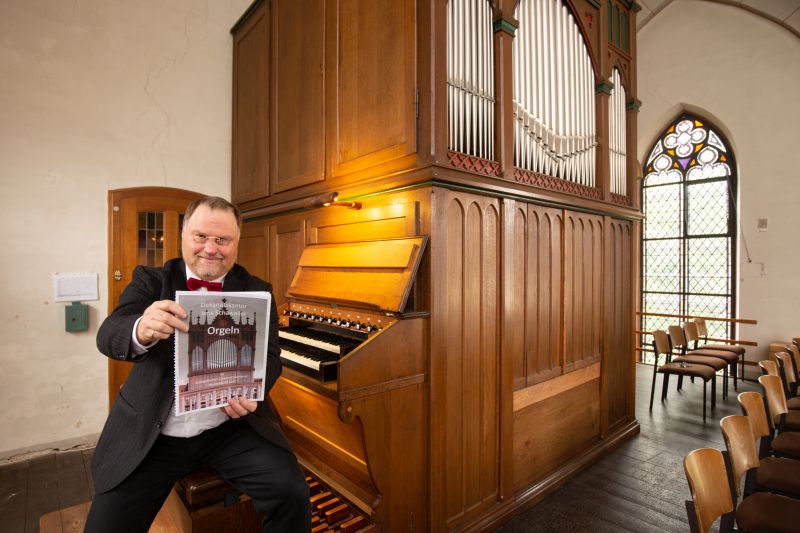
(745, 7)
(670, 115)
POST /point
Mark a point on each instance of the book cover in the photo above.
(224, 353)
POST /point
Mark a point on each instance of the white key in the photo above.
(300, 359)
(310, 342)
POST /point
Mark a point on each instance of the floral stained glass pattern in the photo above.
(689, 231)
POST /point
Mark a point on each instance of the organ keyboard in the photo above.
(352, 397)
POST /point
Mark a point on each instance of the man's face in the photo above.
(215, 257)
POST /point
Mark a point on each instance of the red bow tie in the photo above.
(194, 284)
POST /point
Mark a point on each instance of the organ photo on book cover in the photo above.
(223, 355)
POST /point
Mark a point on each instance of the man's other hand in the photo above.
(237, 408)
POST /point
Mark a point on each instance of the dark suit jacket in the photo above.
(144, 401)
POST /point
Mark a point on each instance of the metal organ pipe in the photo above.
(617, 135)
(470, 78)
(554, 109)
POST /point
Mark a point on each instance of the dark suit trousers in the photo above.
(267, 473)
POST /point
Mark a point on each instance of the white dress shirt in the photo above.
(190, 424)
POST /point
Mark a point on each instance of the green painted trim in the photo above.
(626, 3)
(474, 189)
(634, 104)
(501, 24)
(635, 7)
(595, 3)
(604, 86)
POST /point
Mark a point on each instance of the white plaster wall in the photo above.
(742, 72)
(94, 95)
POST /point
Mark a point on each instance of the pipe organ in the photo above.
(616, 135)
(470, 78)
(554, 106)
(457, 331)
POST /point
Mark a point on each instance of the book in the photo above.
(224, 353)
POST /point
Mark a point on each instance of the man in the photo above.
(144, 448)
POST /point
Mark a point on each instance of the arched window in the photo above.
(689, 244)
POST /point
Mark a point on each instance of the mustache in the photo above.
(206, 256)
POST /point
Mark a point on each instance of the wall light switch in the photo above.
(762, 224)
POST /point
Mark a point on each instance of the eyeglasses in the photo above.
(201, 238)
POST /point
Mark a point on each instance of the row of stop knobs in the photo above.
(335, 321)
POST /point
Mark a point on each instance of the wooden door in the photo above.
(143, 229)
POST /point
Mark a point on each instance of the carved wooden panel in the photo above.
(371, 105)
(287, 238)
(298, 126)
(557, 426)
(583, 283)
(250, 155)
(254, 247)
(467, 370)
(619, 365)
(396, 219)
(543, 299)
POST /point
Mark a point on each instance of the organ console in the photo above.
(351, 394)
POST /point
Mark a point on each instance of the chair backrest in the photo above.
(677, 337)
(785, 360)
(796, 341)
(794, 351)
(661, 344)
(753, 407)
(708, 483)
(768, 367)
(702, 331)
(741, 446)
(776, 400)
(690, 329)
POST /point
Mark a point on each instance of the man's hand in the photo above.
(159, 321)
(237, 408)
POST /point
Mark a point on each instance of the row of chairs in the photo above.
(686, 357)
(766, 478)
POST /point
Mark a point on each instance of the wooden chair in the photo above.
(772, 474)
(782, 418)
(794, 352)
(755, 409)
(661, 346)
(713, 497)
(788, 375)
(690, 339)
(702, 333)
(769, 367)
(717, 360)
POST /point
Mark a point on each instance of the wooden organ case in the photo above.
(504, 131)
(350, 424)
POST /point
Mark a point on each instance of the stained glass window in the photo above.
(689, 244)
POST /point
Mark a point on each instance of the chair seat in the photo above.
(780, 474)
(763, 511)
(791, 421)
(730, 357)
(714, 362)
(787, 444)
(793, 403)
(738, 350)
(693, 370)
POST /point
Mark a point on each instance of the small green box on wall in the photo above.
(77, 317)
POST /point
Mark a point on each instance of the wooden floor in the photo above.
(640, 487)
